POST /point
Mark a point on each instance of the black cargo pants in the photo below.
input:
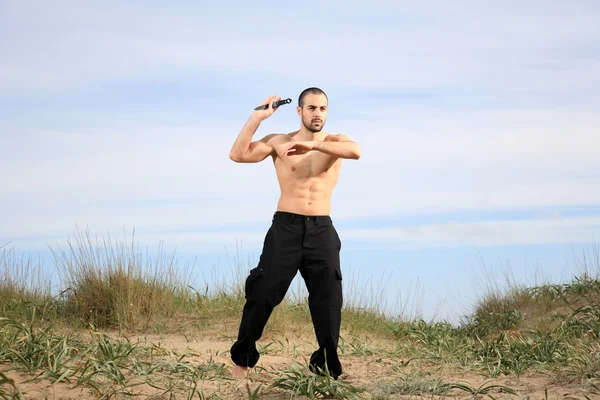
(295, 242)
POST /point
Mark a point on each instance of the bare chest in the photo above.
(306, 166)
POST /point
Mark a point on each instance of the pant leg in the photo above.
(322, 274)
(266, 286)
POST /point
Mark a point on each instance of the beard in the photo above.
(312, 127)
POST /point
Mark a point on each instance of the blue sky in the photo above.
(478, 124)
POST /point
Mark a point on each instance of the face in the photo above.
(314, 112)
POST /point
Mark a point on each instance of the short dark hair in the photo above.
(313, 90)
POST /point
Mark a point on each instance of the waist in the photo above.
(304, 206)
(294, 217)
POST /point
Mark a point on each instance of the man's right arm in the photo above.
(246, 151)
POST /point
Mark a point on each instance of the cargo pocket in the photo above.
(251, 280)
(264, 264)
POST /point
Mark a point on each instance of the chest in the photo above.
(311, 165)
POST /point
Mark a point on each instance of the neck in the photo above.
(305, 134)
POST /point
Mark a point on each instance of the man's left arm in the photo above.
(338, 146)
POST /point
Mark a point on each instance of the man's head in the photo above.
(312, 108)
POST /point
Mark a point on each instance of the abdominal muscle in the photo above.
(305, 202)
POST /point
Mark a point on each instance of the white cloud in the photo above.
(419, 47)
(481, 233)
(516, 128)
(450, 234)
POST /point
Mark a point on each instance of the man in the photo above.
(302, 236)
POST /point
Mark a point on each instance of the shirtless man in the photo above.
(301, 237)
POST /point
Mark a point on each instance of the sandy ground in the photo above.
(374, 371)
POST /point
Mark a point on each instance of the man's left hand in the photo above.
(295, 148)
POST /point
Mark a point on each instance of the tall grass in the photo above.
(23, 282)
(112, 284)
(509, 305)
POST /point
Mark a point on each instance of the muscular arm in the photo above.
(246, 151)
(338, 146)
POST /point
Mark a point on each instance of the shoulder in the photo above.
(287, 137)
(275, 138)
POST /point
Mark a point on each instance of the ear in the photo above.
(299, 110)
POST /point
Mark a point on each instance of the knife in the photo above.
(275, 104)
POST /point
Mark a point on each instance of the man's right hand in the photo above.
(261, 115)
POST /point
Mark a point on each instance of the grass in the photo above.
(411, 384)
(298, 381)
(86, 335)
(114, 285)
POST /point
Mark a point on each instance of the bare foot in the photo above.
(239, 371)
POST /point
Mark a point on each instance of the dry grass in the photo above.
(543, 307)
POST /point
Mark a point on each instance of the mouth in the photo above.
(316, 121)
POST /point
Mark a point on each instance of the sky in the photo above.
(478, 125)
